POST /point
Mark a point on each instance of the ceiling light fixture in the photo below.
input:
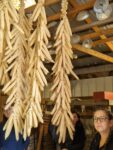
(102, 9)
(87, 43)
(82, 15)
(75, 39)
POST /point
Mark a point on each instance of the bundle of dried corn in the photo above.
(61, 89)
(15, 88)
(16, 3)
(38, 53)
(7, 15)
(4, 78)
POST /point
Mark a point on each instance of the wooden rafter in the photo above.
(95, 69)
(71, 13)
(96, 29)
(74, 11)
(73, 3)
(92, 52)
(106, 40)
(90, 25)
(96, 34)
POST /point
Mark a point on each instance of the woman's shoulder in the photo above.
(1, 125)
(95, 141)
(96, 137)
(110, 140)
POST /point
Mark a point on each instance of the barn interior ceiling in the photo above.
(92, 26)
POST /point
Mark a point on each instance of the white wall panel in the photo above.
(100, 84)
(76, 88)
(86, 87)
(109, 84)
(92, 86)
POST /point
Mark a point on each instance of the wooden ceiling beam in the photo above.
(94, 69)
(47, 3)
(106, 40)
(92, 52)
(73, 3)
(90, 25)
(73, 11)
(96, 29)
(84, 27)
(96, 34)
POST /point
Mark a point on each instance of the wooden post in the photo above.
(41, 128)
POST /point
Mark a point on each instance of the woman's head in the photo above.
(102, 120)
(8, 112)
(76, 116)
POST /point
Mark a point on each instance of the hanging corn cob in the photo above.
(38, 53)
(61, 89)
(7, 15)
(16, 87)
(16, 3)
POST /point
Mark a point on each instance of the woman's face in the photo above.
(8, 112)
(101, 121)
(75, 118)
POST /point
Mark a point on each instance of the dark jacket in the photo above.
(52, 131)
(95, 143)
(10, 143)
(78, 141)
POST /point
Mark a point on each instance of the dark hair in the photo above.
(108, 113)
(75, 112)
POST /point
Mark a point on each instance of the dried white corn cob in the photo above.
(8, 15)
(61, 89)
(16, 56)
(38, 42)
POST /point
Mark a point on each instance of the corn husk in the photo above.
(37, 72)
(61, 89)
(15, 88)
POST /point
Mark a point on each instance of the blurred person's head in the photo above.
(76, 116)
(102, 120)
(7, 112)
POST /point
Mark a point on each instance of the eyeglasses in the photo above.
(100, 119)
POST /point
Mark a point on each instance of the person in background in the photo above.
(103, 140)
(11, 143)
(78, 141)
(54, 137)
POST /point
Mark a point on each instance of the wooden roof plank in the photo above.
(96, 34)
(90, 25)
(106, 40)
(96, 29)
(92, 52)
(74, 11)
(73, 3)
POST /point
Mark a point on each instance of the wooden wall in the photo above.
(86, 87)
(79, 88)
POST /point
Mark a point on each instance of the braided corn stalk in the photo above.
(7, 15)
(38, 42)
(61, 89)
(15, 88)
